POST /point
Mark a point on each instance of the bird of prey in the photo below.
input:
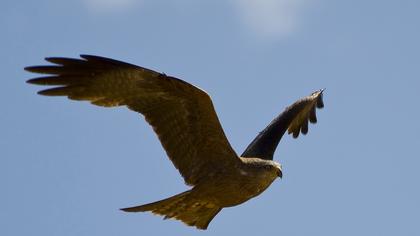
(184, 119)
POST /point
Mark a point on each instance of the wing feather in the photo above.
(182, 115)
(307, 112)
(294, 119)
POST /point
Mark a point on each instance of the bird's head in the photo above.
(263, 167)
(277, 168)
(273, 168)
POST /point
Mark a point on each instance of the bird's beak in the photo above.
(280, 174)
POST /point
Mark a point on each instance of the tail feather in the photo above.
(160, 207)
(183, 207)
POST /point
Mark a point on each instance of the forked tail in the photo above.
(193, 212)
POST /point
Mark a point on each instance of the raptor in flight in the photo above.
(184, 119)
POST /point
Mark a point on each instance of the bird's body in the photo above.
(185, 122)
(246, 181)
(198, 206)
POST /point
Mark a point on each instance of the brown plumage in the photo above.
(184, 119)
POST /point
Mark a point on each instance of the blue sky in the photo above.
(66, 167)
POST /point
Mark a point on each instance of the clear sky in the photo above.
(66, 167)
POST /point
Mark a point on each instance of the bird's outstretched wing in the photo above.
(181, 114)
(294, 119)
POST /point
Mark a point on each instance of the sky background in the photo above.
(66, 167)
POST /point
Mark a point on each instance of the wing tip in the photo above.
(31, 81)
(32, 69)
(49, 92)
(320, 101)
(126, 209)
(142, 208)
(87, 56)
(318, 97)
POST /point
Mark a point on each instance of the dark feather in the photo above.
(312, 115)
(294, 119)
(66, 61)
(55, 70)
(304, 128)
(181, 114)
(58, 80)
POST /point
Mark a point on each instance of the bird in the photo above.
(185, 121)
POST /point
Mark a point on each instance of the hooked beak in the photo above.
(279, 173)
